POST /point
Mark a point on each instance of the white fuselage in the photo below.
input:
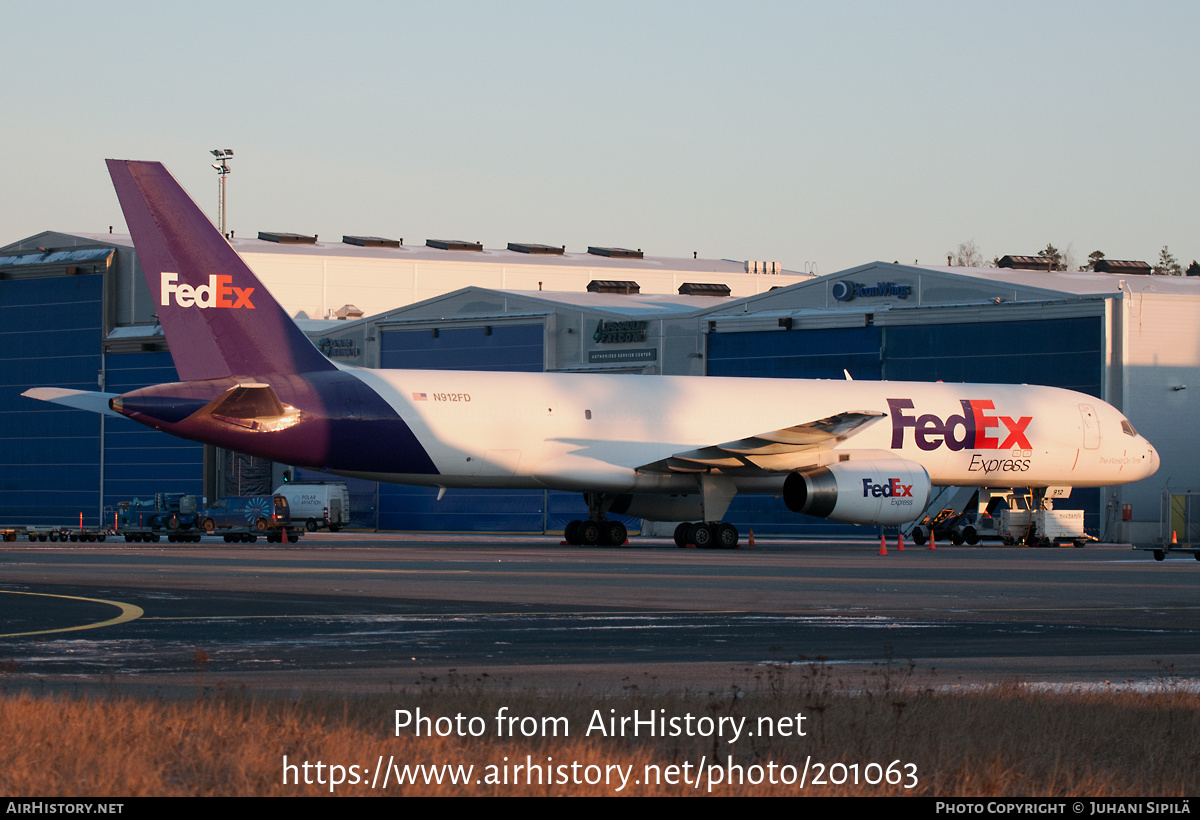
(593, 432)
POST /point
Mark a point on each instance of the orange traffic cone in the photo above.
(1174, 540)
(900, 542)
(284, 540)
(883, 545)
(751, 541)
(932, 546)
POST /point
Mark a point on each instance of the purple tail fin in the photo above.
(218, 318)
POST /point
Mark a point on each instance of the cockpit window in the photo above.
(1128, 428)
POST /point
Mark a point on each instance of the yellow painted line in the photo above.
(129, 612)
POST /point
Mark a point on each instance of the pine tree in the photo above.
(1053, 253)
(1093, 258)
(1167, 265)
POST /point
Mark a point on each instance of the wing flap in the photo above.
(775, 450)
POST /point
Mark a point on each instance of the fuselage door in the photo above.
(1091, 427)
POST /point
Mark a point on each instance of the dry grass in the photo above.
(1006, 742)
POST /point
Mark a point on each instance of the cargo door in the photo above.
(1091, 427)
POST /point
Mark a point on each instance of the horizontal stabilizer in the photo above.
(79, 399)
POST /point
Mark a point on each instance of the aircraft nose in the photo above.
(1152, 467)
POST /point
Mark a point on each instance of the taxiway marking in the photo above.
(129, 612)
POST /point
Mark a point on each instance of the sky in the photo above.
(820, 134)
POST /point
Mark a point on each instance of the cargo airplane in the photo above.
(664, 448)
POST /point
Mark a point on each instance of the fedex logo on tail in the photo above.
(218, 293)
(978, 428)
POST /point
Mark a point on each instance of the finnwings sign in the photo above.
(845, 290)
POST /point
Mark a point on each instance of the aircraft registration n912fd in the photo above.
(654, 447)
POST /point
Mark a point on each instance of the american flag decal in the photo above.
(420, 397)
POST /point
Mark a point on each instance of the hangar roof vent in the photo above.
(288, 238)
(613, 286)
(530, 247)
(1122, 266)
(1027, 262)
(372, 241)
(703, 289)
(453, 245)
(615, 253)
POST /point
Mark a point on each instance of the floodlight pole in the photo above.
(223, 156)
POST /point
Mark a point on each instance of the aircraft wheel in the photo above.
(727, 536)
(918, 536)
(571, 532)
(703, 536)
(310, 525)
(681, 534)
(971, 535)
(614, 533)
(589, 533)
(1159, 555)
(209, 526)
(956, 538)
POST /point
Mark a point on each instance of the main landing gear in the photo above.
(597, 531)
(707, 535)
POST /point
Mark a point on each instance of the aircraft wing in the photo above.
(775, 450)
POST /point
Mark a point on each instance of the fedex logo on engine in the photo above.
(891, 488)
(978, 428)
(218, 293)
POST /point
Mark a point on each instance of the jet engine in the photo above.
(867, 491)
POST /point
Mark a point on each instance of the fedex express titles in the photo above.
(977, 428)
